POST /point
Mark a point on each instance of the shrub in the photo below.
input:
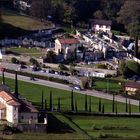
(14, 60)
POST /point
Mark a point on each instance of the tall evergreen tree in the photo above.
(72, 103)
(42, 102)
(3, 78)
(100, 104)
(116, 107)
(103, 109)
(113, 103)
(51, 107)
(126, 106)
(58, 103)
(139, 105)
(86, 107)
(16, 85)
(45, 104)
(129, 107)
(89, 103)
(75, 104)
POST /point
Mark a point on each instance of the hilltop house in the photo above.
(97, 25)
(66, 46)
(132, 87)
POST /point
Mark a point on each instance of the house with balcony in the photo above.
(132, 88)
(97, 25)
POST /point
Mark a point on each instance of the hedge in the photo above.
(38, 76)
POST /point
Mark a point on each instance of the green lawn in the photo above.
(24, 50)
(97, 126)
(104, 85)
(23, 22)
(33, 93)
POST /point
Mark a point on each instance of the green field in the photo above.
(109, 127)
(33, 93)
(23, 22)
(104, 85)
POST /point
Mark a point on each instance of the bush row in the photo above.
(39, 76)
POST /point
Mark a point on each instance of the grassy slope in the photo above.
(23, 22)
(33, 93)
(117, 126)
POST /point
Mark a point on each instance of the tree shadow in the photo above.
(57, 126)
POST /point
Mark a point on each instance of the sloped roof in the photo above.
(101, 22)
(25, 106)
(133, 85)
(68, 41)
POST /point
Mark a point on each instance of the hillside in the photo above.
(22, 21)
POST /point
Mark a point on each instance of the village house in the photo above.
(132, 88)
(66, 46)
(14, 108)
(97, 25)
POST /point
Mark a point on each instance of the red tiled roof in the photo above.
(9, 98)
(25, 106)
(68, 41)
(133, 85)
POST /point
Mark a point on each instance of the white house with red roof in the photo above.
(14, 108)
(66, 46)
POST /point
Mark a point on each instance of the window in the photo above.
(22, 117)
(31, 117)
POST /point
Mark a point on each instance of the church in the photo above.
(13, 107)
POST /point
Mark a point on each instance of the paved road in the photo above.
(66, 87)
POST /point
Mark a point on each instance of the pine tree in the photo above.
(100, 104)
(58, 103)
(103, 109)
(72, 103)
(139, 105)
(89, 103)
(42, 102)
(75, 104)
(51, 101)
(116, 107)
(86, 102)
(113, 103)
(3, 78)
(126, 107)
(45, 104)
(129, 108)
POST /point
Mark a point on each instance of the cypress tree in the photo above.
(113, 103)
(100, 105)
(139, 105)
(16, 85)
(58, 103)
(126, 107)
(75, 104)
(86, 102)
(45, 104)
(72, 103)
(42, 102)
(51, 100)
(89, 103)
(116, 107)
(103, 109)
(129, 108)
(3, 78)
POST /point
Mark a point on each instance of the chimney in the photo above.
(16, 85)
(3, 78)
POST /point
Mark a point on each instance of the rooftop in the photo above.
(133, 85)
(101, 22)
(68, 41)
